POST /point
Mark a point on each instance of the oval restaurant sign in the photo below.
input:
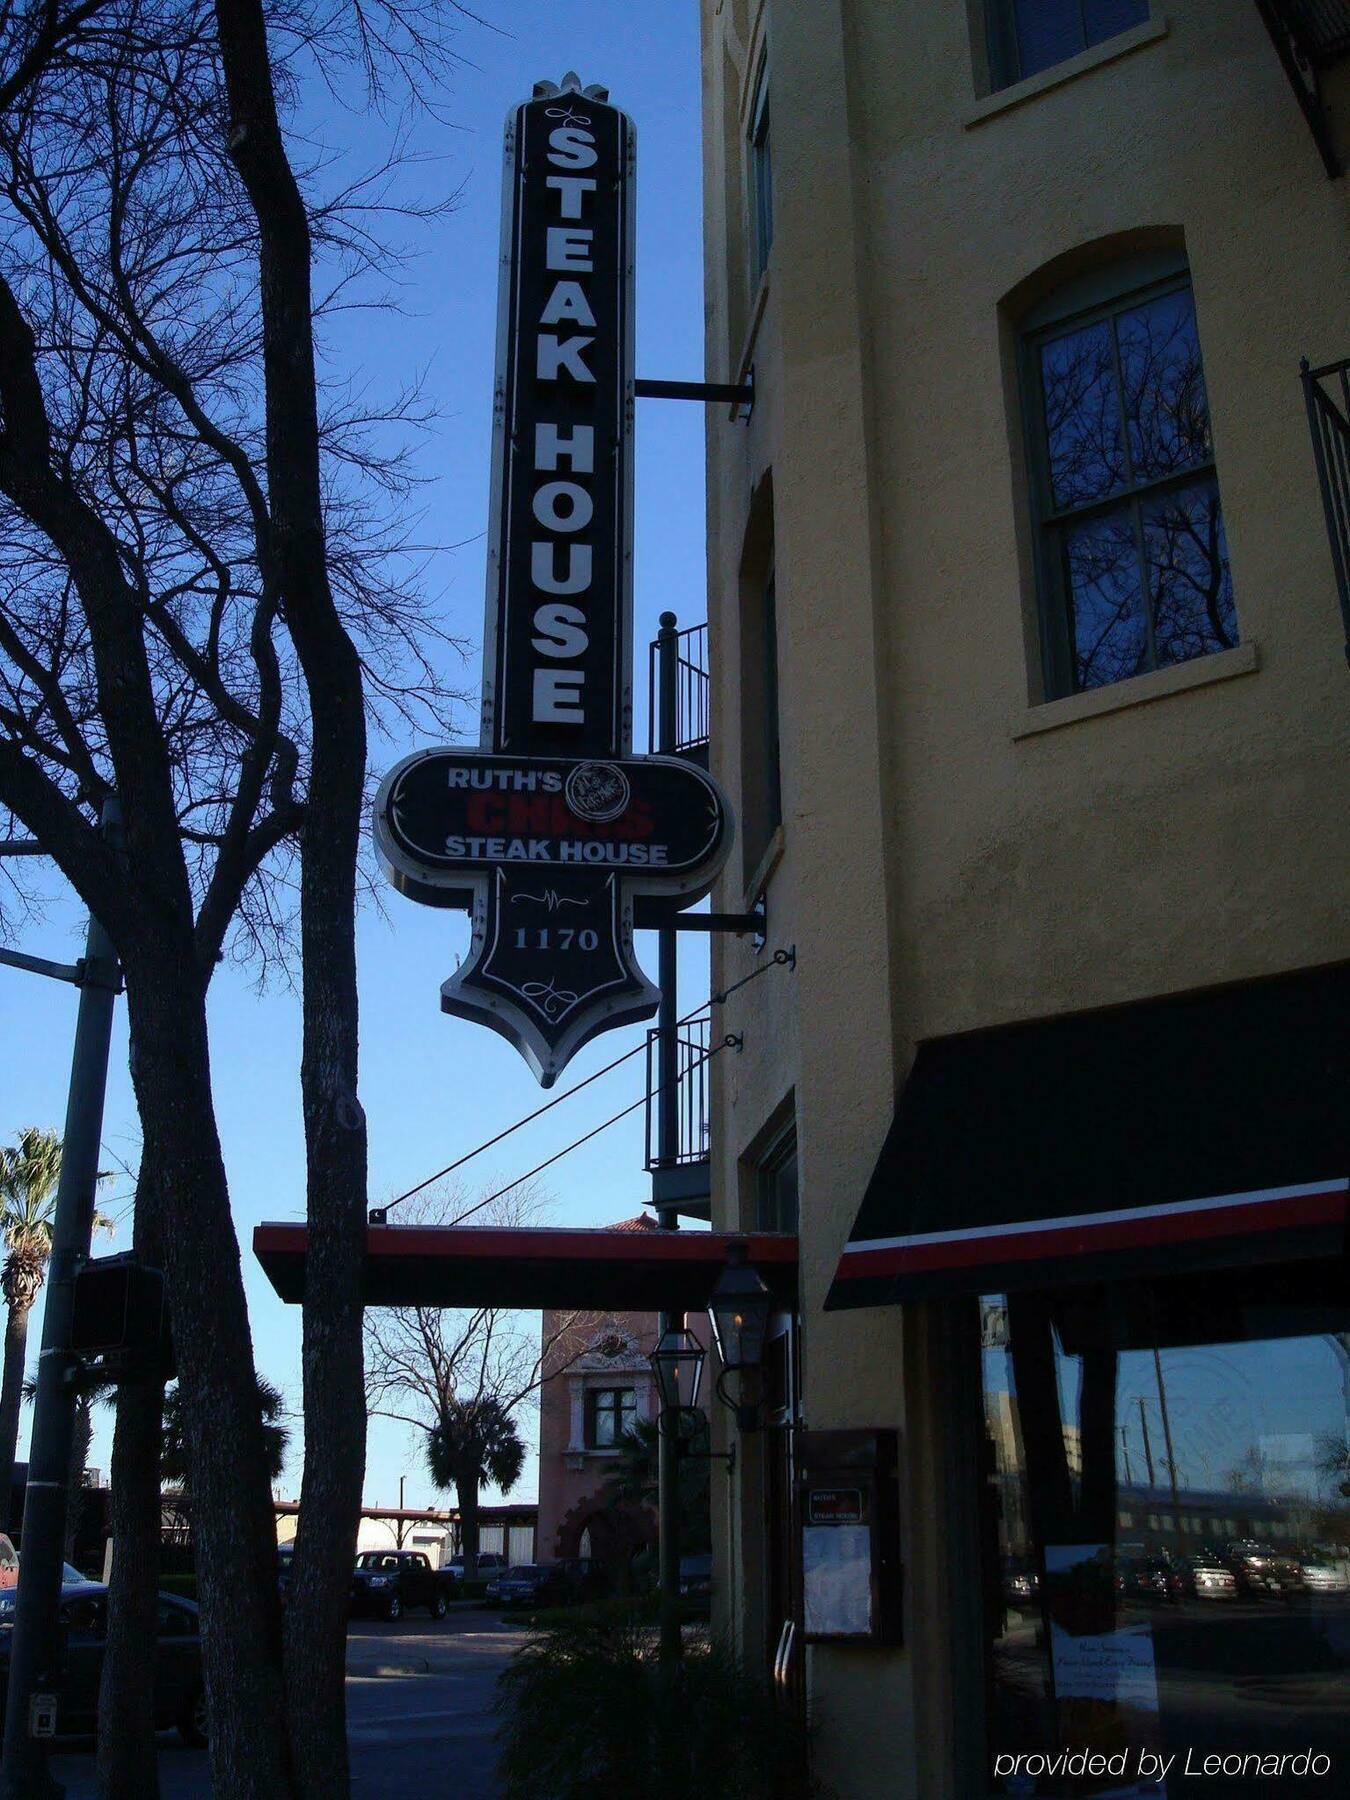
(548, 829)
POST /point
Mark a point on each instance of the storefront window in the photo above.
(1167, 1536)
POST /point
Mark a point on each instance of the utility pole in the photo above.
(1148, 1448)
(1125, 1451)
(668, 1151)
(1167, 1435)
(35, 1645)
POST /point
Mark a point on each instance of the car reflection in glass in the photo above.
(1204, 1577)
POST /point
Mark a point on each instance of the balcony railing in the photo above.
(1327, 391)
(680, 1179)
(691, 695)
(1310, 36)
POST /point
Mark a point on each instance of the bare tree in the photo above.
(202, 590)
(434, 1369)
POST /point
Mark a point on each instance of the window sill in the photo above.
(764, 868)
(1202, 671)
(1006, 99)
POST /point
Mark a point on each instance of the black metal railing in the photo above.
(1327, 392)
(691, 695)
(1310, 36)
(692, 1045)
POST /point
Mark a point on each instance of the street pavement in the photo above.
(420, 1717)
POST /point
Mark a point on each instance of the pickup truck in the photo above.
(388, 1582)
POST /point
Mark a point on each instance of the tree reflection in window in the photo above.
(1135, 562)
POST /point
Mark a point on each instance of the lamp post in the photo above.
(677, 1368)
(35, 1641)
(668, 1150)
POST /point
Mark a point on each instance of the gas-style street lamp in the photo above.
(677, 1366)
(739, 1313)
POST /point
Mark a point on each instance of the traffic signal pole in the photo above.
(35, 1646)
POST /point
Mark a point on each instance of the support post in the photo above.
(668, 1150)
(35, 1649)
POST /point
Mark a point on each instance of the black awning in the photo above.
(1205, 1130)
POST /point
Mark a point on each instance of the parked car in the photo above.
(1146, 1578)
(388, 1582)
(491, 1563)
(1204, 1577)
(70, 1578)
(565, 1583)
(1260, 1569)
(1324, 1573)
(531, 1584)
(1021, 1587)
(180, 1694)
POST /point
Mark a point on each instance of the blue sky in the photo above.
(432, 1086)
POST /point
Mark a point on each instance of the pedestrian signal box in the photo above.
(120, 1318)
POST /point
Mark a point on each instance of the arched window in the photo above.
(1131, 557)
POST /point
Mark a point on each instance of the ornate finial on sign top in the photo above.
(571, 84)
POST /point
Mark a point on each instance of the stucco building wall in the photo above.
(955, 852)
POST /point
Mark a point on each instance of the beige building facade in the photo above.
(1029, 687)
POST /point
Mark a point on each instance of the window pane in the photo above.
(1166, 411)
(761, 176)
(1048, 32)
(1084, 442)
(604, 1419)
(1189, 584)
(627, 1410)
(1051, 31)
(1105, 18)
(778, 1191)
(1110, 633)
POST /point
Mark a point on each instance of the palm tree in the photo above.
(81, 1437)
(173, 1458)
(473, 1442)
(28, 1176)
(632, 1486)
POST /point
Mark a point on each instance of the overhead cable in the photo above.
(378, 1216)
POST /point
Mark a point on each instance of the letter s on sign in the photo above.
(559, 629)
(571, 148)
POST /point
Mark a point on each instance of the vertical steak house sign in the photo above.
(548, 830)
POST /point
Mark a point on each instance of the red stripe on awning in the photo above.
(1164, 1226)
